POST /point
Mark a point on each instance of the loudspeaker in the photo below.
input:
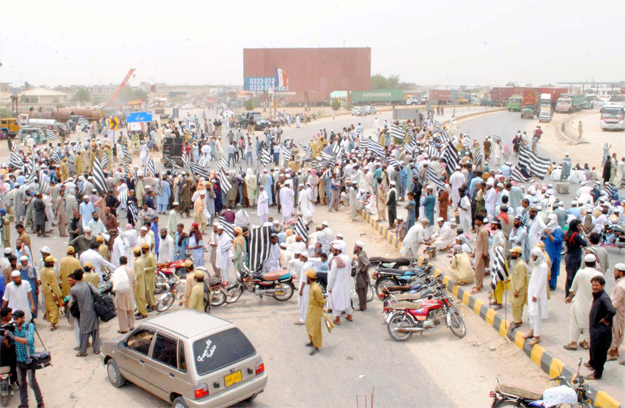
(172, 146)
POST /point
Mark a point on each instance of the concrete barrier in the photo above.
(549, 363)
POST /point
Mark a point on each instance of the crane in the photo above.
(121, 86)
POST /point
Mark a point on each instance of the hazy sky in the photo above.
(427, 42)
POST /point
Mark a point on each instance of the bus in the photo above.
(613, 117)
(514, 103)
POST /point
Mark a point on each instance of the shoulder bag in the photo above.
(39, 360)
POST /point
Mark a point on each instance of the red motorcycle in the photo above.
(430, 313)
(165, 271)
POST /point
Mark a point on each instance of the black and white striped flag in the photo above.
(307, 149)
(300, 229)
(30, 172)
(226, 185)
(260, 243)
(409, 149)
(451, 156)
(478, 157)
(327, 158)
(501, 268)
(13, 147)
(98, 175)
(393, 162)
(150, 168)
(265, 157)
(609, 190)
(186, 160)
(185, 125)
(134, 212)
(223, 162)
(123, 196)
(199, 171)
(336, 148)
(286, 154)
(44, 184)
(536, 165)
(51, 135)
(496, 138)
(55, 156)
(437, 124)
(105, 160)
(127, 155)
(518, 176)
(433, 152)
(445, 136)
(228, 228)
(431, 175)
(397, 132)
(376, 148)
(16, 160)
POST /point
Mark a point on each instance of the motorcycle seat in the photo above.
(397, 261)
(275, 275)
(520, 392)
(394, 271)
(409, 296)
(5, 370)
(404, 305)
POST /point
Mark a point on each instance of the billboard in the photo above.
(313, 73)
(137, 117)
(378, 95)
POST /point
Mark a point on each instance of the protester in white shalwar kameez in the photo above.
(444, 237)
(143, 156)
(536, 227)
(537, 295)
(224, 243)
(262, 208)
(339, 282)
(456, 180)
(273, 260)
(305, 205)
(490, 200)
(121, 247)
(581, 300)
(413, 240)
(286, 200)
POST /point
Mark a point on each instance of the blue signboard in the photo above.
(260, 84)
(135, 117)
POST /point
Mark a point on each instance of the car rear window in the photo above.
(221, 350)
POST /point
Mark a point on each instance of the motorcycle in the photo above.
(163, 271)
(613, 234)
(323, 283)
(576, 394)
(408, 317)
(105, 286)
(399, 277)
(173, 287)
(278, 284)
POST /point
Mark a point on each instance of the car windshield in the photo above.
(221, 350)
(259, 117)
(612, 113)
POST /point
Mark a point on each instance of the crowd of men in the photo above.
(485, 220)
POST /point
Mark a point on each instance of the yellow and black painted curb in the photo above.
(550, 364)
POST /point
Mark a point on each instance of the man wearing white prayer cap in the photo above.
(618, 321)
(18, 296)
(362, 274)
(580, 297)
(537, 295)
(339, 284)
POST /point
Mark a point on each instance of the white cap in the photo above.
(360, 244)
(144, 228)
(46, 249)
(553, 217)
(23, 258)
(8, 251)
(325, 223)
(620, 266)
(304, 254)
(336, 246)
(537, 251)
(148, 187)
(87, 229)
(176, 203)
(440, 219)
(339, 235)
(15, 273)
(590, 258)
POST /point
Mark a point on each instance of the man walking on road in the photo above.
(362, 274)
(339, 284)
(24, 338)
(316, 301)
(537, 294)
(81, 293)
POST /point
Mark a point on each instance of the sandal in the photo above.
(528, 336)
(584, 346)
(612, 358)
(587, 365)
(122, 331)
(96, 352)
(349, 319)
(314, 351)
(298, 323)
(81, 355)
(52, 328)
(533, 342)
(569, 347)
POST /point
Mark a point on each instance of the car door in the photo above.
(167, 368)
(135, 355)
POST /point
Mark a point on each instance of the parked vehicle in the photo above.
(514, 103)
(501, 94)
(569, 103)
(187, 358)
(545, 100)
(359, 111)
(27, 132)
(323, 283)
(545, 114)
(260, 122)
(529, 107)
(576, 393)
(164, 271)
(278, 284)
(10, 126)
(440, 96)
(613, 234)
(430, 313)
(613, 117)
(370, 110)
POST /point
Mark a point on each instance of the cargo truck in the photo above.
(555, 93)
(529, 108)
(514, 103)
(440, 96)
(545, 100)
(569, 103)
(501, 94)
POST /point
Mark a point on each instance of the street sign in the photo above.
(135, 117)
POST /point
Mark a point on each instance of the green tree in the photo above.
(379, 81)
(336, 105)
(127, 94)
(5, 113)
(249, 105)
(82, 95)
(141, 94)
(27, 85)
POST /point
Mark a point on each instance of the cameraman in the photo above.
(7, 347)
(24, 337)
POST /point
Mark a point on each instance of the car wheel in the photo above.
(252, 398)
(115, 377)
(179, 403)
